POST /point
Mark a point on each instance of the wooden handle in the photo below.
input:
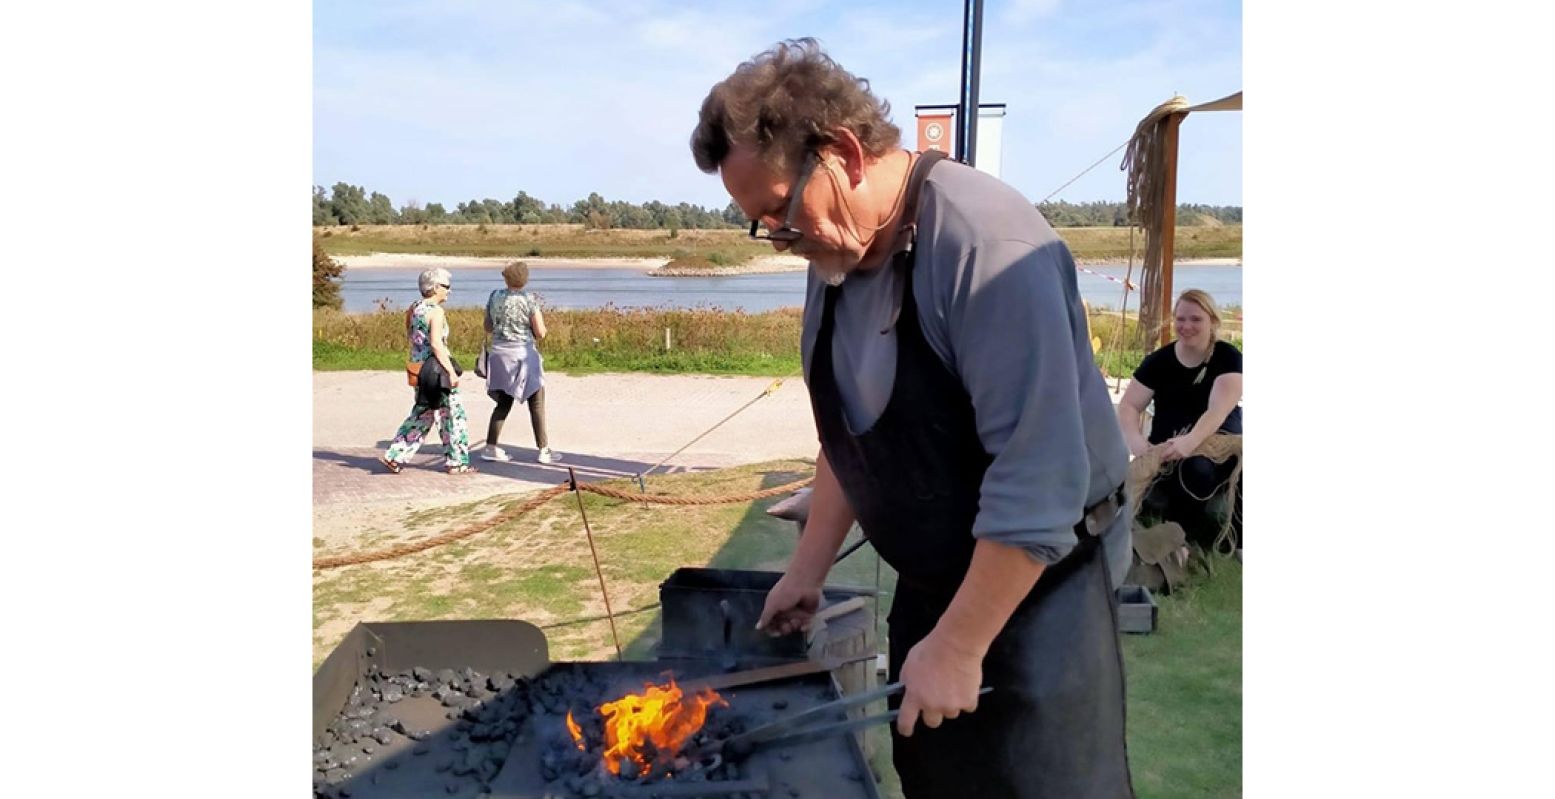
(832, 611)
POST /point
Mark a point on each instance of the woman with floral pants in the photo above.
(427, 327)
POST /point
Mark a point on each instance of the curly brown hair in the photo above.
(785, 101)
(516, 274)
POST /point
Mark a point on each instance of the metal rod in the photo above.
(828, 730)
(966, 55)
(572, 479)
(769, 731)
(971, 72)
(973, 104)
(850, 550)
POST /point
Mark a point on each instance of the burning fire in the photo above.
(660, 716)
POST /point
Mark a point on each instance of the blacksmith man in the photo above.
(963, 424)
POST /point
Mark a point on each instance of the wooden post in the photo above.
(1168, 220)
(667, 345)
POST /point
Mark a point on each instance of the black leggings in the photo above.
(1187, 493)
(536, 417)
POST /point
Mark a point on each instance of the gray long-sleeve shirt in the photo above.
(999, 304)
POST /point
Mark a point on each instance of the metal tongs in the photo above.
(792, 731)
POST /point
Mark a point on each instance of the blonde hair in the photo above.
(1207, 303)
(516, 274)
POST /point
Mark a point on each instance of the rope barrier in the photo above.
(413, 547)
(1128, 284)
(536, 501)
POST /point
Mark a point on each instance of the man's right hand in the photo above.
(790, 606)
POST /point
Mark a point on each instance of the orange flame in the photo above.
(577, 732)
(660, 715)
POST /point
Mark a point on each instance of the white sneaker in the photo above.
(497, 454)
(547, 456)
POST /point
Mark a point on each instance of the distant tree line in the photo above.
(345, 204)
(1104, 214)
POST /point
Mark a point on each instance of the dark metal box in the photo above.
(1137, 610)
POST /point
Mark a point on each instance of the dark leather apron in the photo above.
(1053, 726)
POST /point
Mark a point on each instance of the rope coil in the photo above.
(1145, 163)
(1145, 470)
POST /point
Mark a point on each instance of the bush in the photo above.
(326, 278)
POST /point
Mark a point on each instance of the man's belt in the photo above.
(1100, 516)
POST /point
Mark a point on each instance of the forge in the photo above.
(477, 708)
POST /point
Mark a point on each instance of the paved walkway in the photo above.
(605, 426)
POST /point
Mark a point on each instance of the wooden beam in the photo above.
(1168, 219)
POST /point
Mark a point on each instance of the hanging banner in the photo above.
(936, 129)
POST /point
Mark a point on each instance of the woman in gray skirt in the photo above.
(514, 368)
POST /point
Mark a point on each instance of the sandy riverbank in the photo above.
(764, 265)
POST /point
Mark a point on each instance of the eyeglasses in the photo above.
(788, 233)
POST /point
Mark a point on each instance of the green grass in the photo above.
(1185, 692)
(1113, 243)
(703, 341)
(1183, 681)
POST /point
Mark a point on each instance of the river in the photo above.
(626, 287)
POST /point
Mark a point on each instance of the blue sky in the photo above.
(467, 99)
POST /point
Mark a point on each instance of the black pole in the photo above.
(966, 57)
(971, 71)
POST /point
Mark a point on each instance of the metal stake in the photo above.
(572, 480)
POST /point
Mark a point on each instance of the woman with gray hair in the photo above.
(514, 367)
(437, 389)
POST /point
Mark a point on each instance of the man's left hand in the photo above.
(940, 681)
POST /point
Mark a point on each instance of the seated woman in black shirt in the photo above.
(1196, 382)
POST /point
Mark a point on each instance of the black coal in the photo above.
(482, 716)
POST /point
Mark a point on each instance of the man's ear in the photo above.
(845, 154)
